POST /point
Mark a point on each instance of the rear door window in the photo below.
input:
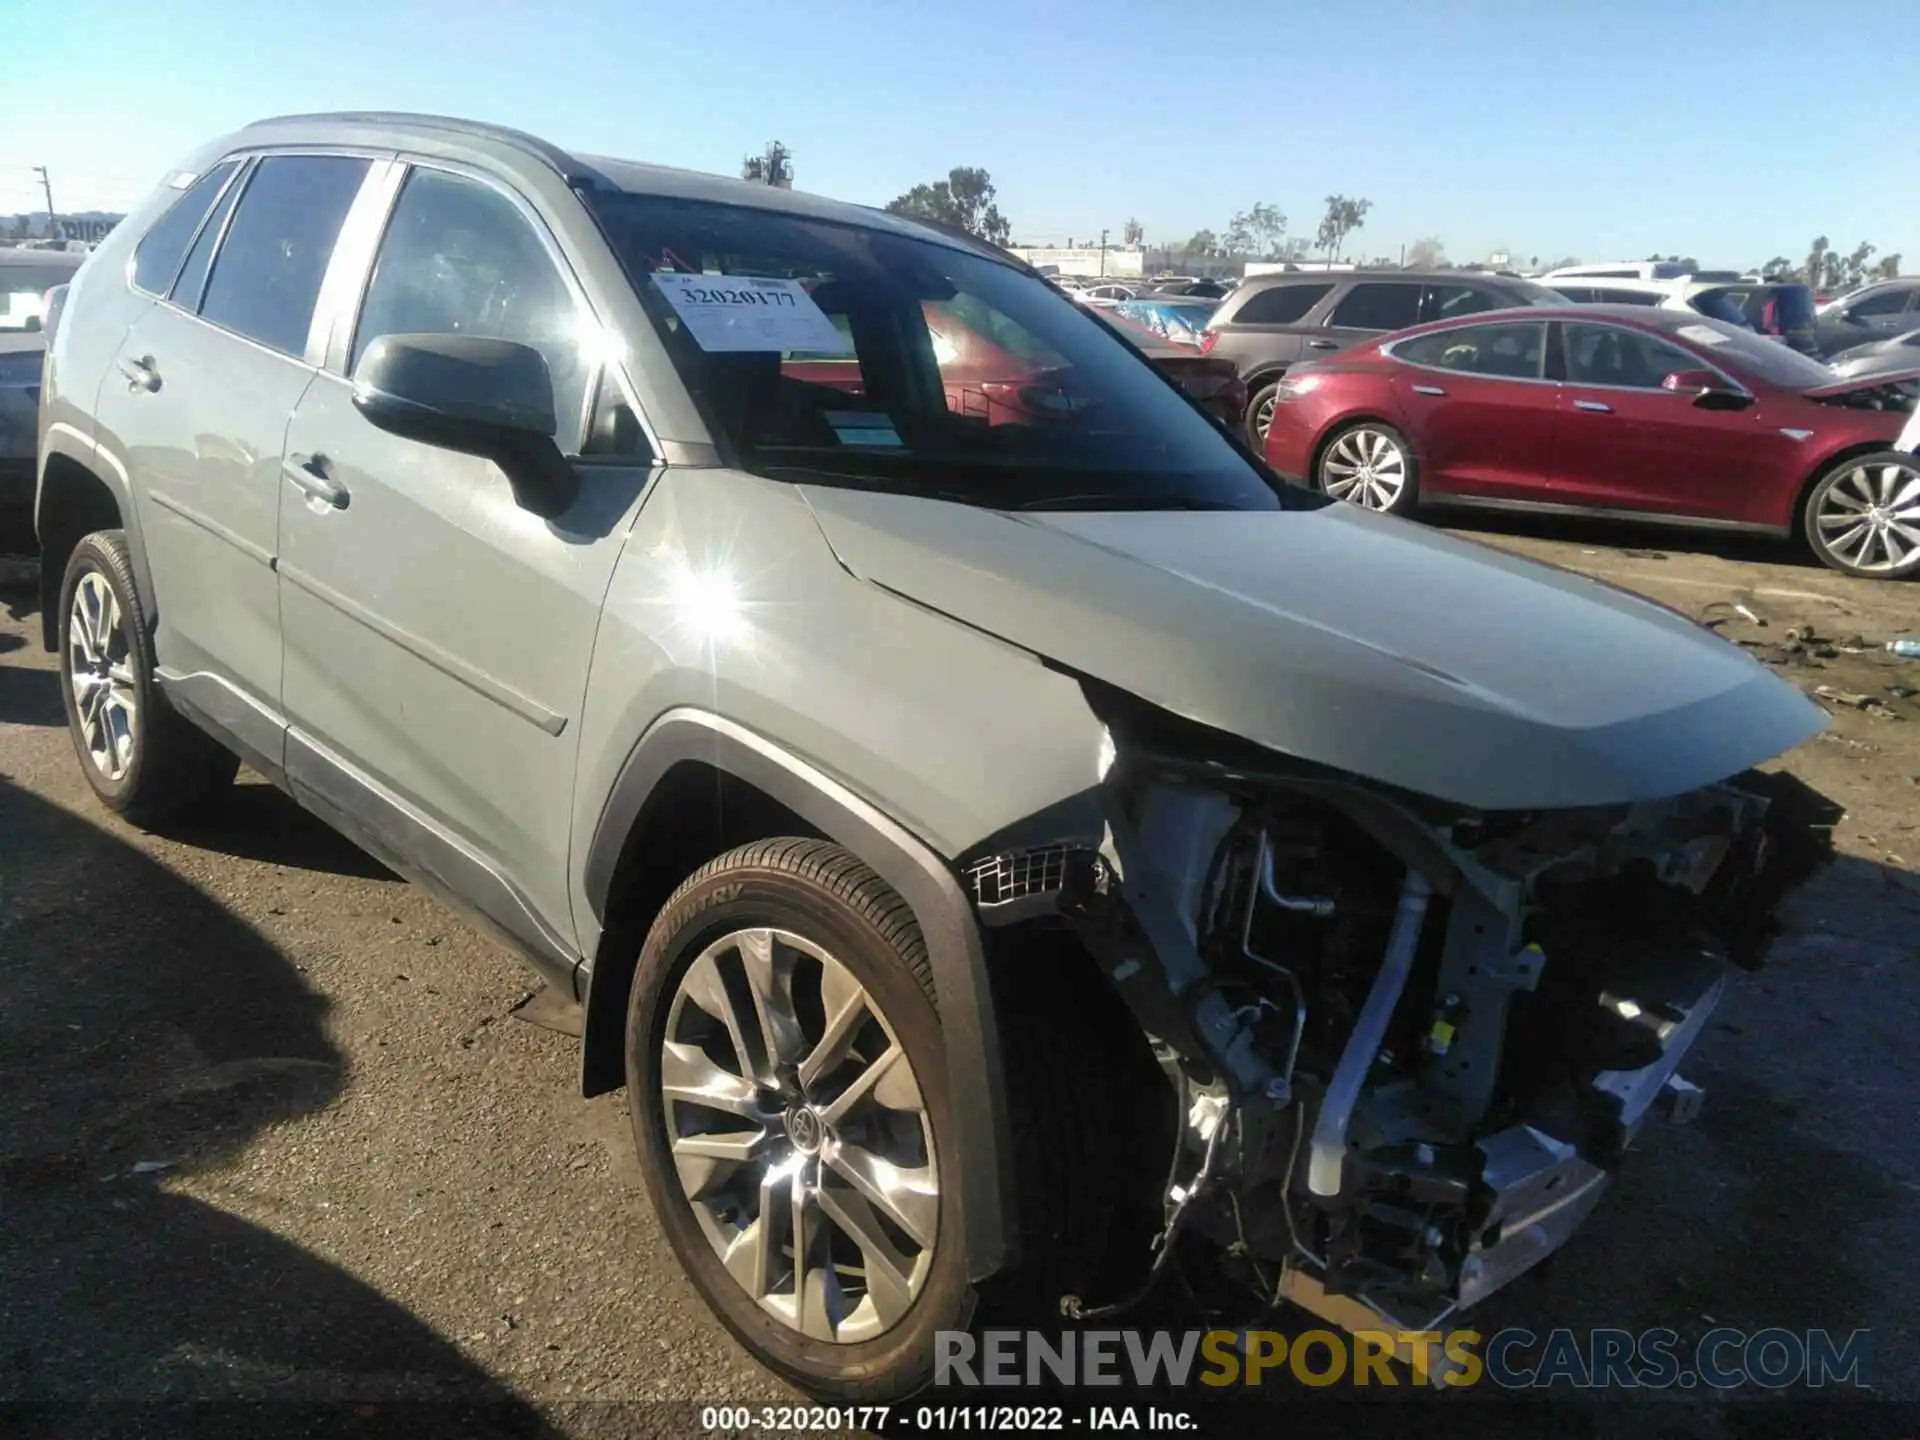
(1280, 305)
(188, 288)
(267, 275)
(1507, 352)
(156, 259)
(1378, 305)
(1887, 302)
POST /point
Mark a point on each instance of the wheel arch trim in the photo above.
(64, 441)
(916, 872)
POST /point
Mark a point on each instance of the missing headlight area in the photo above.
(1411, 1045)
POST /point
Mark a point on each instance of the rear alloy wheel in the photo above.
(1863, 518)
(139, 755)
(1369, 465)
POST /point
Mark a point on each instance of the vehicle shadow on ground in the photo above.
(147, 1034)
(256, 821)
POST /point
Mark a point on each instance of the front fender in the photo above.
(921, 878)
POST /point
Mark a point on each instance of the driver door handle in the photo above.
(1428, 390)
(1594, 405)
(309, 473)
(1321, 345)
(141, 374)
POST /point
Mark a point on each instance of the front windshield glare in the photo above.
(838, 353)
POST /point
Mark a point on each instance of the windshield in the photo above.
(839, 353)
(1755, 354)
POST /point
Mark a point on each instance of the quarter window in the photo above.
(156, 260)
(1378, 306)
(1510, 352)
(1611, 355)
(267, 275)
(1280, 305)
(460, 259)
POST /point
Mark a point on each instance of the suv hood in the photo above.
(1357, 641)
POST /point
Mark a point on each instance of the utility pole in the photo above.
(1103, 251)
(53, 220)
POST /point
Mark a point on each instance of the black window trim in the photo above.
(1557, 358)
(236, 186)
(250, 166)
(1547, 349)
(352, 295)
(173, 278)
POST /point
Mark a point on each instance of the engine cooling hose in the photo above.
(1327, 1156)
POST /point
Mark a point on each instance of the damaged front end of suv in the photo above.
(1410, 1040)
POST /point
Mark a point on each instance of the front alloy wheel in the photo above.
(1864, 517)
(788, 1080)
(799, 1135)
(1370, 466)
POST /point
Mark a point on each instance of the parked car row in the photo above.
(27, 277)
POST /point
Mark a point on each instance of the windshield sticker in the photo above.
(862, 427)
(1702, 335)
(750, 312)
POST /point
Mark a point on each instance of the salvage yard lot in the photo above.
(270, 1127)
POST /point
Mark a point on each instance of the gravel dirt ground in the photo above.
(270, 1128)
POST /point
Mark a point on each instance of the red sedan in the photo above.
(1615, 410)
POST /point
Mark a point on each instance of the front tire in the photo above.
(1260, 414)
(1863, 516)
(1370, 464)
(141, 758)
(787, 1079)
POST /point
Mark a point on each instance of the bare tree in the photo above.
(1888, 268)
(1133, 233)
(1854, 270)
(1778, 268)
(1814, 267)
(1343, 217)
(772, 166)
(1203, 242)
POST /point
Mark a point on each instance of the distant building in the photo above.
(1117, 261)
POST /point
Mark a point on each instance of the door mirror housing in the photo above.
(1709, 390)
(479, 396)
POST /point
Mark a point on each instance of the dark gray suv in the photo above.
(985, 827)
(1273, 321)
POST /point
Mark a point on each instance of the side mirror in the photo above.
(1709, 391)
(492, 398)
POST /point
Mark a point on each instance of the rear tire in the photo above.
(141, 758)
(1863, 516)
(1260, 415)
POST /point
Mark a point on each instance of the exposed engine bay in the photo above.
(1410, 1043)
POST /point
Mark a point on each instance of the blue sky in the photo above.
(1732, 130)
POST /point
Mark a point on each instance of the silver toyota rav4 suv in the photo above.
(997, 832)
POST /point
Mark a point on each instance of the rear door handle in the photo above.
(1428, 390)
(141, 374)
(310, 475)
(1594, 405)
(1321, 345)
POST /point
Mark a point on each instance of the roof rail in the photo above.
(569, 169)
